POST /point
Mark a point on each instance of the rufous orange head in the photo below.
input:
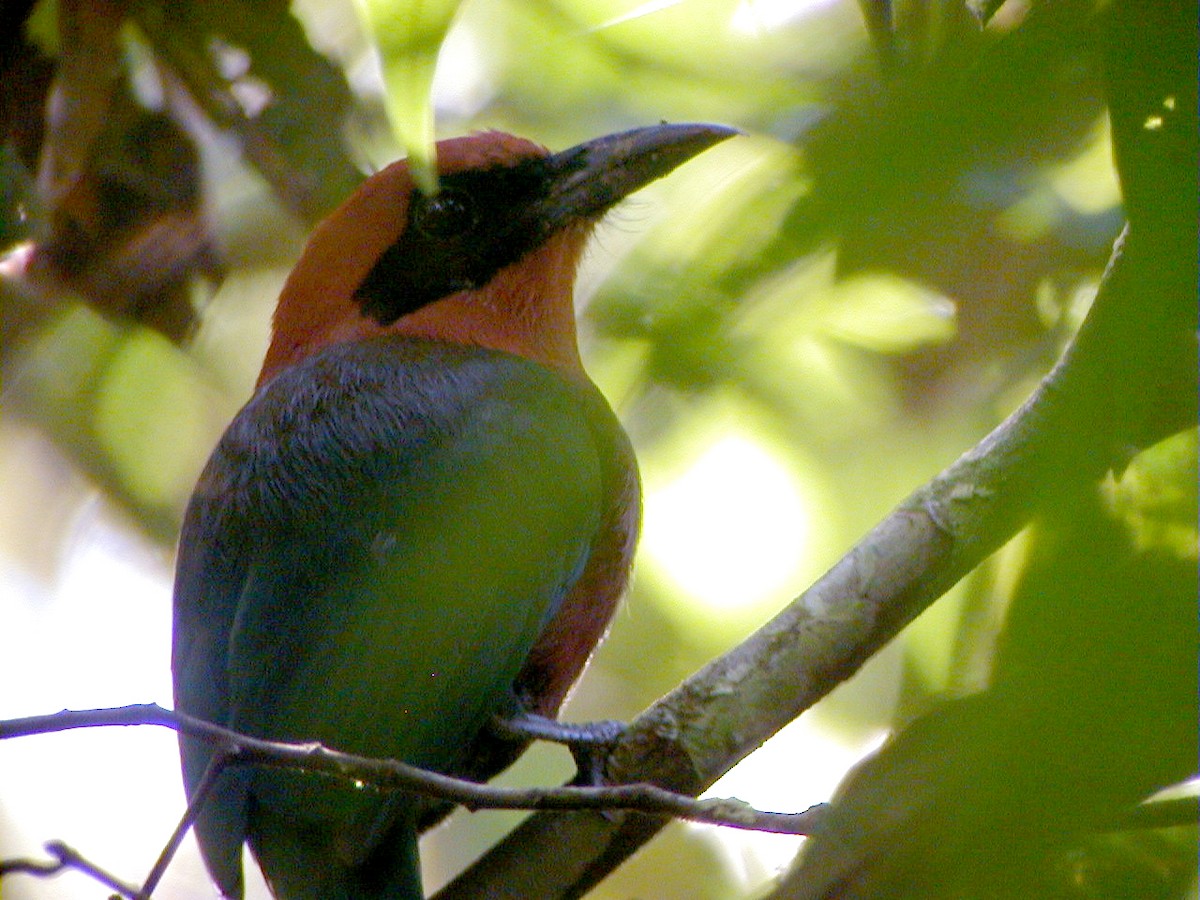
(489, 260)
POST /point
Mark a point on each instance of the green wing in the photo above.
(394, 521)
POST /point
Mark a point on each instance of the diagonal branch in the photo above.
(1125, 382)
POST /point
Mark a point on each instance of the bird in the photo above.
(423, 519)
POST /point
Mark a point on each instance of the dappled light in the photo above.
(797, 328)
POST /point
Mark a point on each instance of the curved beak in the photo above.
(587, 180)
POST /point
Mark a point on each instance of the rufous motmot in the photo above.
(425, 515)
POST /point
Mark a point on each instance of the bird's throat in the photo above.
(527, 309)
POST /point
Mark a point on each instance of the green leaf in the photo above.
(408, 35)
(983, 10)
(888, 314)
(251, 69)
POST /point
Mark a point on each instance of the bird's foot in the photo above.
(589, 742)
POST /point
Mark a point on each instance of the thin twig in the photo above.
(243, 749)
(40, 867)
(67, 858)
(199, 797)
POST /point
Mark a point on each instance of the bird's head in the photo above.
(489, 260)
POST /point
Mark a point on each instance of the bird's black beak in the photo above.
(588, 179)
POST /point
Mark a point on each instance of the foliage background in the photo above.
(797, 328)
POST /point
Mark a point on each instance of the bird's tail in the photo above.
(303, 862)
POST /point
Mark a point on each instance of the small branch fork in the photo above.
(66, 858)
(385, 775)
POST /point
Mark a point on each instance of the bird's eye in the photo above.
(446, 215)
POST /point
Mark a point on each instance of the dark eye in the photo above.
(446, 215)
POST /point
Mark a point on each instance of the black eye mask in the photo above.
(478, 223)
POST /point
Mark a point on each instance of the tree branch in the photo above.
(67, 858)
(243, 749)
(1132, 360)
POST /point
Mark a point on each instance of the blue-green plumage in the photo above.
(372, 552)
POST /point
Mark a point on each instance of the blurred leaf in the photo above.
(129, 408)
(251, 69)
(1156, 498)
(877, 16)
(26, 73)
(1131, 865)
(1087, 181)
(86, 79)
(60, 373)
(151, 421)
(127, 230)
(907, 177)
(888, 314)
(409, 34)
(983, 10)
(984, 796)
(19, 205)
(1151, 67)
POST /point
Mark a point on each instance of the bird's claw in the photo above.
(589, 742)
